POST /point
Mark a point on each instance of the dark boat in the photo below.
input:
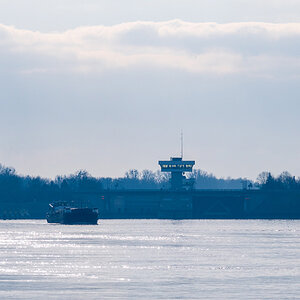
(61, 212)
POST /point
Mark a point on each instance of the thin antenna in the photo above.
(181, 143)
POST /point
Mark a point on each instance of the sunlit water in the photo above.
(150, 259)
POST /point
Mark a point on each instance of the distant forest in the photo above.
(14, 187)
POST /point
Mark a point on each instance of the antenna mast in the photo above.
(181, 144)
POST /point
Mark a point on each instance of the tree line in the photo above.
(284, 181)
(15, 187)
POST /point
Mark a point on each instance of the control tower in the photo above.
(177, 167)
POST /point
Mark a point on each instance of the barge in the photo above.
(62, 213)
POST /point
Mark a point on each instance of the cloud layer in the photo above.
(259, 49)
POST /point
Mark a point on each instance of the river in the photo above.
(150, 259)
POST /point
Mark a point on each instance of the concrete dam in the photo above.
(199, 204)
(181, 201)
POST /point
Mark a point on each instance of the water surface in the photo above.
(150, 259)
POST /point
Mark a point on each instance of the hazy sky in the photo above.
(108, 85)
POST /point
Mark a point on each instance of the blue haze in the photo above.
(238, 129)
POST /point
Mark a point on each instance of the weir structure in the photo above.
(177, 167)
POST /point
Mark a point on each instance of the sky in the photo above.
(108, 86)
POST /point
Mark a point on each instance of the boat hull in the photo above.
(74, 216)
(80, 216)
